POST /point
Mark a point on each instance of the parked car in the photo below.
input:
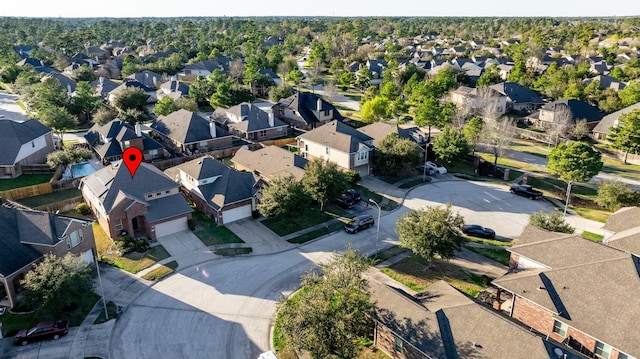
(478, 231)
(526, 190)
(359, 222)
(354, 194)
(438, 168)
(43, 330)
(345, 201)
(426, 169)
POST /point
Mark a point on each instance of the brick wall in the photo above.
(385, 340)
(513, 261)
(532, 315)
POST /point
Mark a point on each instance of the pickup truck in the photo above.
(526, 190)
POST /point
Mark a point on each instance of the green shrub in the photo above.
(550, 221)
(127, 245)
(192, 224)
(83, 209)
(353, 176)
(616, 194)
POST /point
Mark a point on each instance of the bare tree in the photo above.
(580, 130)
(236, 69)
(497, 133)
(330, 91)
(560, 124)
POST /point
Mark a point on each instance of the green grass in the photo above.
(491, 242)
(499, 255)
(594, 214)
(162, 271)
(418, 274)
(210, 233)
(112, 310)
(133, 262)
(11, 323)
(617, 168)
(284, 225)
(24, 181)
(76, 214)
(330, 228)
(595, 237)
(50, 197)
(232, 251)
(386, 254)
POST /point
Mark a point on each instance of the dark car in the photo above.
(526, 190)
(345, 201)
(478, 231)
(354, 194)
(43, 330)
(359, 222)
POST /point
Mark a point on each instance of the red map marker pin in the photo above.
(132, 158)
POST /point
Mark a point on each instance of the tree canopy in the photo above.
(432, 231)
(625, 136)
(283, 196)
(396, 155)
(451, 144)
(324, 181)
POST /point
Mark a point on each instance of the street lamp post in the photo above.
(378, 230)
(104, 303)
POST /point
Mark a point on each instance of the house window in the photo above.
(326, 113)
(154, 153)
(74, 238)
(624, 356)
(263, 133)
(603, 350)
(306, 148)
(159, 193)
(326, 150)
(397, 345)
(362, 156)
(203, 143)
(560, 328)
(150, 195)
(280, 130)
(119, 223)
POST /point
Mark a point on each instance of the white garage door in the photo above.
(171, 227)
(236, 214)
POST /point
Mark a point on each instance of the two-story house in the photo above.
(251, 122)
(189, 132)
(148, 204)
(27, 235)
(557, 111)
(306, 111)
(270, 162)
(110, 140)
(519, 98)
(23, 143)
(574, 291)
(337, 142)
(476, 101)
(219, 191)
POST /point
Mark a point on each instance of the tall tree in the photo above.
(282, 196)
(430, 112)
(57, 283)
(59, 119)
(130, 98)
(432, 231)
(397, 155)
(574, 162)
(85, 100)
(376, 109)
(473, 130)
(450, 145)
(331, 311)
(625, 136)
(324, 181)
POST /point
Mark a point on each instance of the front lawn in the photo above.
(499, 255)
(52, 197)
(112, 310)
(210, 233)
(317, 233)
(415, 182)
(133, 262)
(24, 181)
(417, 274)
(595, 237)
(386, 254)
(11, 323)
(162, 271)
(284, 225)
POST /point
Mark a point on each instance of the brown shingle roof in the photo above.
(337, 135)
(271, 162)
(623, 219)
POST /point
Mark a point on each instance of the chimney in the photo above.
(212, 129)
(319, 105)
(155, 81)
(271, 121)
(138, 130)
(69, 88)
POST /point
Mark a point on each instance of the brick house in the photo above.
(149, 204)
(251, 122)
(27, 235)
(574, 291)
(110, 140)
(221, 192)
(441, 322)
(23, 143)
(188, 132)
(306, 111)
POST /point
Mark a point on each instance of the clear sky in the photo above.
(171, 8)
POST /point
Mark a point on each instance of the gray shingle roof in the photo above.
(305, 103)
(271, 161)
(14, 255)
(609, 120)
(518, 93)
(115, 132)
(338, 135)
(14, 134)
(625, 218)
(230, 186)
(252, 118)
(380, 130)
(186, 127)
(114, 183)
(167, 207)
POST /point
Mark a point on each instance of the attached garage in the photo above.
(171, 227)
(235, 214)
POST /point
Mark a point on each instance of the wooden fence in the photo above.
(65, 184)
(62, 206)
(279, 142)
(29, 191)
(36, 169)
(218, 154)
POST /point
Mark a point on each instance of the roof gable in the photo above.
(14, 134)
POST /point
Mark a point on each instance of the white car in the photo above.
(438, 168)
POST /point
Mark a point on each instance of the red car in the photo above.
(44, 330)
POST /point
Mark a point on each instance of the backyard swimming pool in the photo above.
(82, 169)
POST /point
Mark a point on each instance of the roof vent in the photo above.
(541, 288)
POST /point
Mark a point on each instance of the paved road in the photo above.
(9, 108)
(225, 307)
